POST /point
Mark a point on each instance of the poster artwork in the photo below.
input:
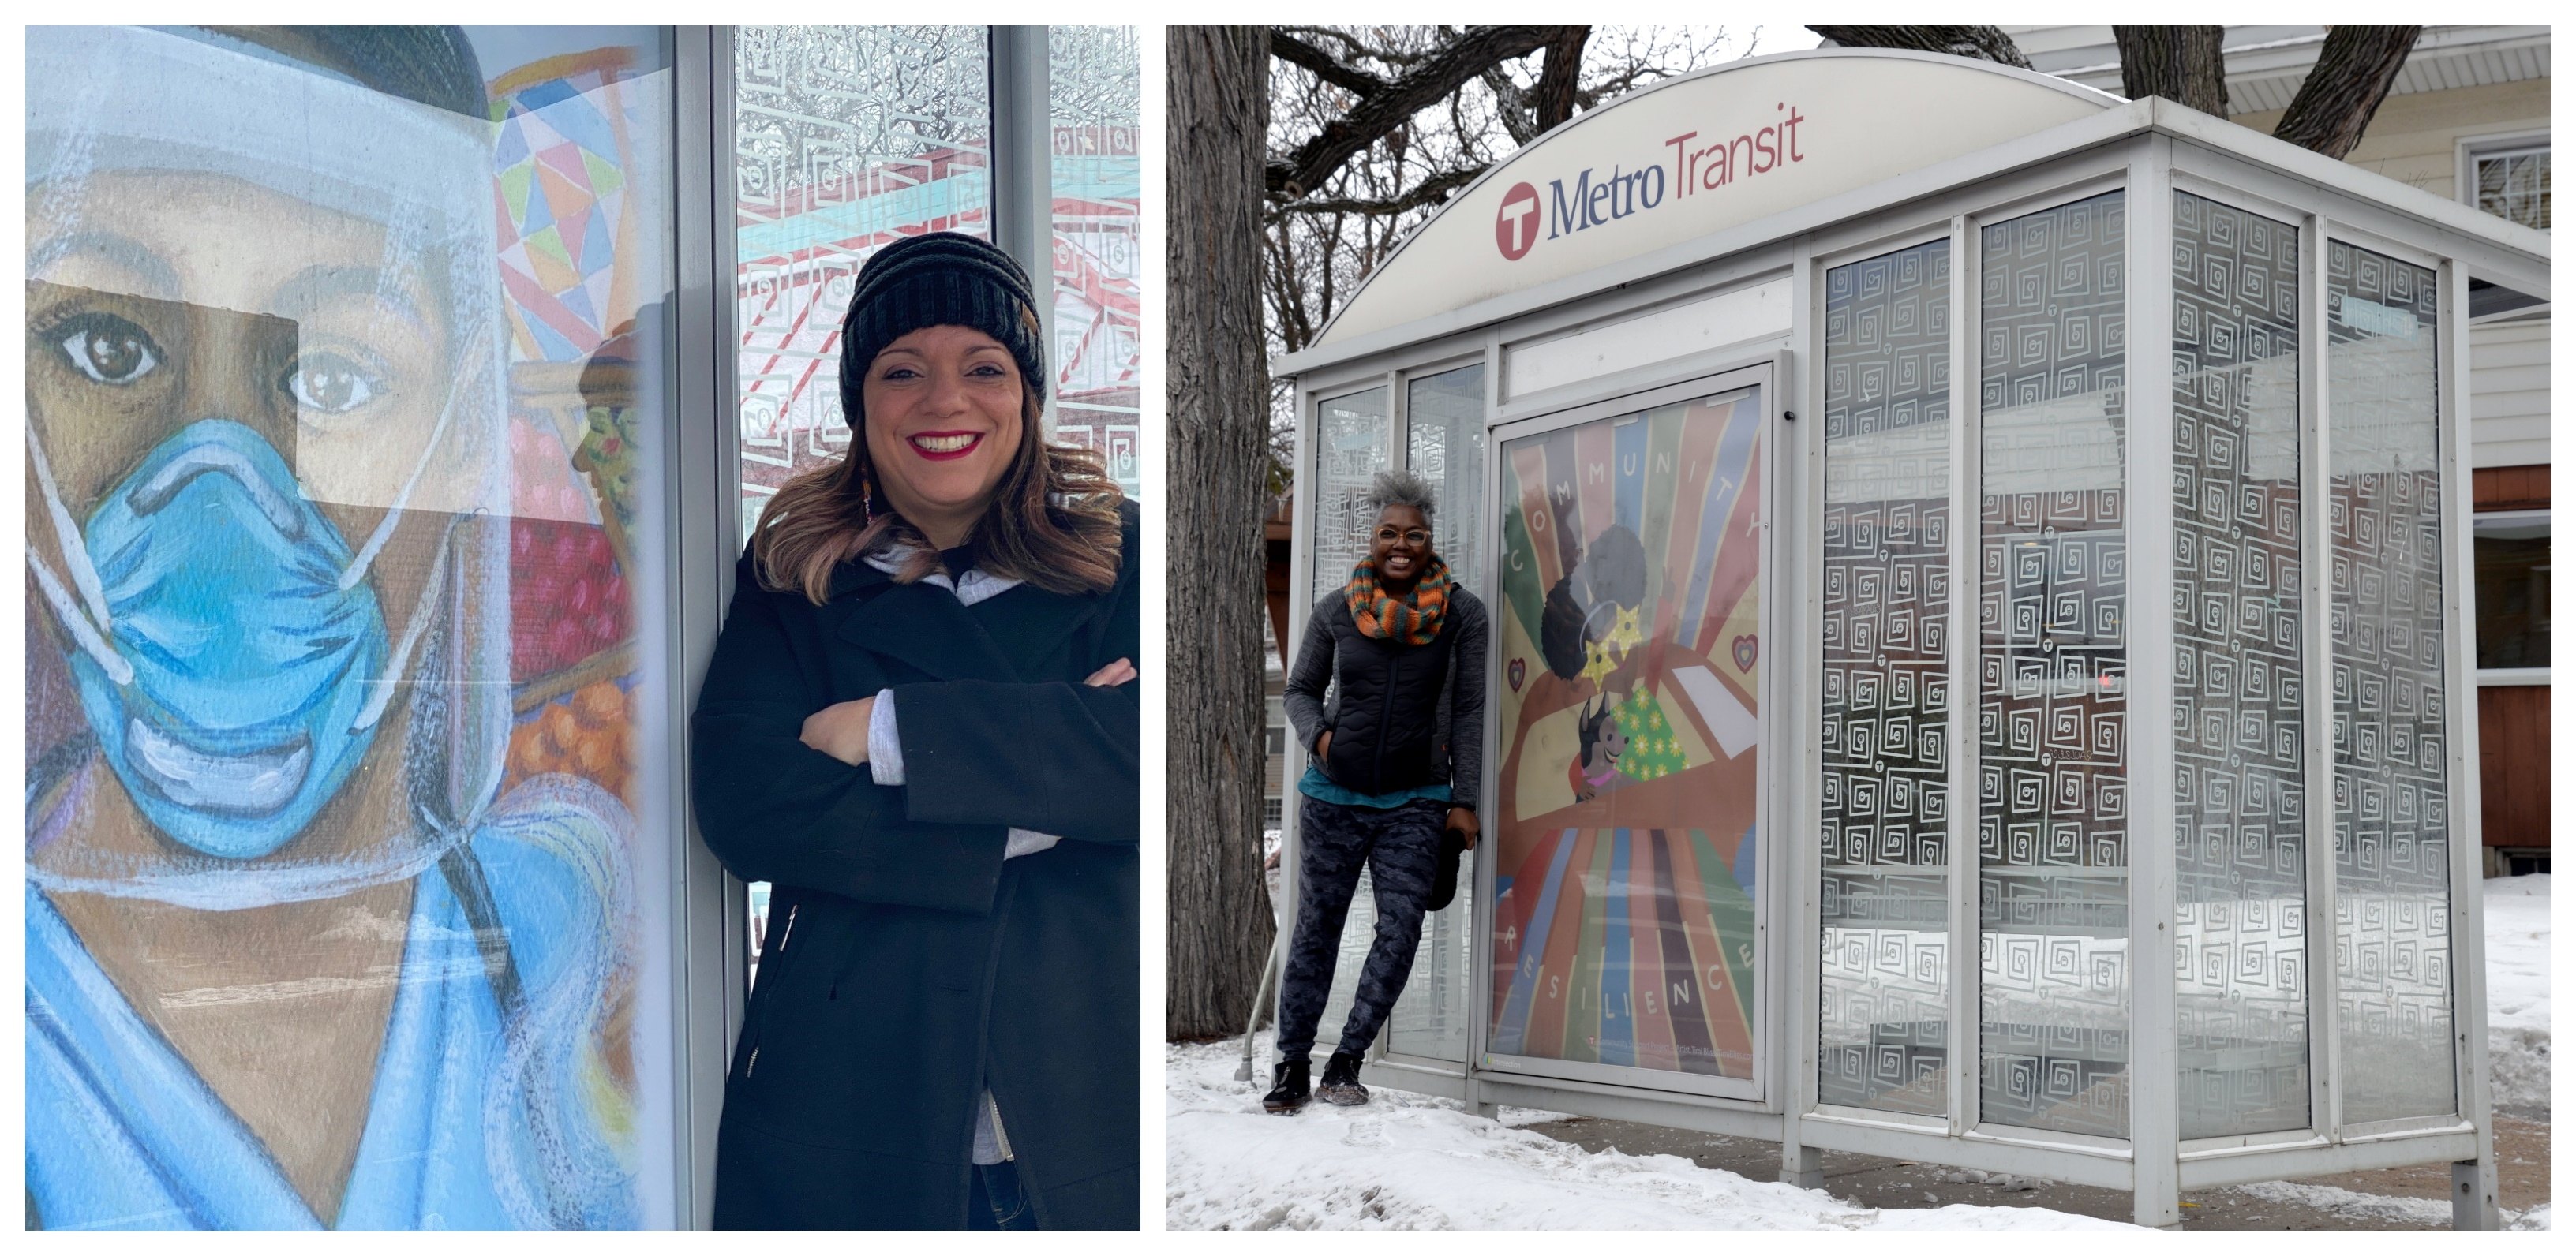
(1627, 797)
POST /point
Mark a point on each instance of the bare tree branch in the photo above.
(1977, 43)
(1321, 64)
(1437, 76)
(1432, 191)
(2180, 63)
(2353, 73)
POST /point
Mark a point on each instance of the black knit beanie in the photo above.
(936, 280)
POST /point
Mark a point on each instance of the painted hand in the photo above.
(841, 730)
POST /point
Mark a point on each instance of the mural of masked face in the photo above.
(231, 688)
(225, 472)
(267, 506)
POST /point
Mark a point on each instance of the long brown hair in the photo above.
(1053, 521)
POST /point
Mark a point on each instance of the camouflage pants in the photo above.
(1400, 847)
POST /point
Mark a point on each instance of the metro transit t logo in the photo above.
(1516, 224)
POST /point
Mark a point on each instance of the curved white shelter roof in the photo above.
(1698, 154)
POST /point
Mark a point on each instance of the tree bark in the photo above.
(2352, 75)
(1558, 78)
(2179, 63)
(1220, 925)
(1977, 43)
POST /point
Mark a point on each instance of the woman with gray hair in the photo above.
(1392, 784)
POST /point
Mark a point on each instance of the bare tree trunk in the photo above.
(2179, 63)
(1977, 43)
(2352, 75)
(1219, 395)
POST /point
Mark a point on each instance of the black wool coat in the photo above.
(906, 961)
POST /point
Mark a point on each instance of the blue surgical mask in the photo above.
(252, 667)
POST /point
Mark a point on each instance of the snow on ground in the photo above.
(2396, 1209)
(2518, 990)
(1409, 1162)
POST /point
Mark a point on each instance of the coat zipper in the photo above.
(783, 935)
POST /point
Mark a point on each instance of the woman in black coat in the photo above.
(920, 726)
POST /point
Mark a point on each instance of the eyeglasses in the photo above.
(1410, 536)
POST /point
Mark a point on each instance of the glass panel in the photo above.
(1444, 423)
(1444, 419)
(2240, 782)
(1092, 86)
(2392, 776)
(1351, 447)
(2052, 672)
(1625, 814)
(845, 137)
(346, 860)
(1884, 822)
(2513, 591)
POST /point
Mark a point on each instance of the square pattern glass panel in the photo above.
(1092, 89)
(386, 682)
(2052, 671)
(1884, 821)
(1627, 813)
(845, 138)
(2391, 735)
(2240, 779)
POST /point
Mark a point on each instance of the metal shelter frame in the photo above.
(2149, 149)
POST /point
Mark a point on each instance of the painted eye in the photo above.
(331, 383)
(108, 349)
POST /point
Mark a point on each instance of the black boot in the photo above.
(1288, 1092)
(1341, 1082)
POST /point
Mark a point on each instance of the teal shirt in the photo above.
(1314, 784)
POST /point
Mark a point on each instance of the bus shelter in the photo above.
(1813, 425)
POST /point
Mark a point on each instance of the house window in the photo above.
(2512, 551)
(2513, 183)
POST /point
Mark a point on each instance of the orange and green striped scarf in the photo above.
(1413, 620)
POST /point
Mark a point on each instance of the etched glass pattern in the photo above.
(1885, 1024)
(1096, 357)
(845, 138)
(2240, 823)
(2392, 783)
(2052, 672)
(1351, 447)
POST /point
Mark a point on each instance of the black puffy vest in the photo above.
(1385, 718)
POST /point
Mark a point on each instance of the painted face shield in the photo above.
(268, 503)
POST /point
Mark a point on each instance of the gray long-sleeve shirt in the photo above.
(1460, 728)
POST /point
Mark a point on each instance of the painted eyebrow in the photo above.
(309, 287)
(160, 280)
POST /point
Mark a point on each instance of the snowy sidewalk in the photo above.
(2518, 991)
(1407, 1162)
